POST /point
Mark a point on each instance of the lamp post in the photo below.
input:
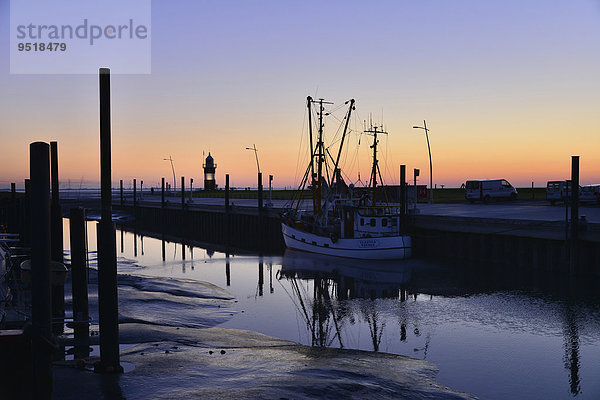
(424, 127)
(253, 148)
(172, 169)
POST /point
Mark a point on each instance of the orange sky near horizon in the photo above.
(508, 90)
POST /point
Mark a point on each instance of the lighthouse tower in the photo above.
(209, 173)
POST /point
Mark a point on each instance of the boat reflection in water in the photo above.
(335, 280)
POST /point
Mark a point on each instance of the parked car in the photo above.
(489, 190)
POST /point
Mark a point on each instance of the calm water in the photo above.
(499, 335)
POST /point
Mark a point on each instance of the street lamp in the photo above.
(172, 169)
(253, 148)
(424, 127)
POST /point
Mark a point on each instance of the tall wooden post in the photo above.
(403, 197)
(182, 192)
(107, 246)
(574, 215)
(134, 192)
(41, 309)
(79, 281)
(162, 193)
(56, 241)
(260, 193)
(226, 192)
(121, 192)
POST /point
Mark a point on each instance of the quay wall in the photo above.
(244, 229)
(522, 244)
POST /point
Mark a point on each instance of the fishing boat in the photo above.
(344, 221)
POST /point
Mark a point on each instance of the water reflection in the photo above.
(571, 344)
(336, 281)
(497, 333)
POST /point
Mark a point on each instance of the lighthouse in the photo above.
(209, 173)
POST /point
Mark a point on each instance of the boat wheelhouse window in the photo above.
(362, 221)
(384, 222)
(372, 222)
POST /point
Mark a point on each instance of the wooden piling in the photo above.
(79, 280)
(182, 192)
(121, 192)
(41, 310)
(402, 197)
(574, 264)
(134, 193)
(162, 193)
(227, 193)
(107, 251)
(56, 241)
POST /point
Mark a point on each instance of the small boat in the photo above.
(344, 221)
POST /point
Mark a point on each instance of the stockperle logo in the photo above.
(79, 36)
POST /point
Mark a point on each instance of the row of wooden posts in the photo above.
(46, 245)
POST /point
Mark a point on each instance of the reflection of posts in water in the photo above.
(134, 243)
(142, 243)
(402, 294)
(122, 237)
(270, 267)
(261, 278)
(164, 257)
(375, 328)
(227, 270)
(192, 254)
(571, 358)
(183, 250)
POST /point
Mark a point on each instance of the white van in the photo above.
(488, 190)
(557, 191)
(589, 193)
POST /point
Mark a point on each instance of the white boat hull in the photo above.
(376, 248)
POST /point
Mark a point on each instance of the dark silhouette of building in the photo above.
(209, 173)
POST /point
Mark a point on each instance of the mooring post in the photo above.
(182, 192)
(79, 281)
(27, 188)
(574, 265)
(12, 218)
(107, 246)
(56, 242)
(134, 193)
(121, 192)
(41, 309)
(260, 193)
(402, 196)
(227, 193)
(141, 189)
(532, 192)
(191, 188)
(162, 193)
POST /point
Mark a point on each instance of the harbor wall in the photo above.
(525, 245)
(244, 229)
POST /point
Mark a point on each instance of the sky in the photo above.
(509, 89)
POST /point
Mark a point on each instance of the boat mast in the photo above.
(317, 189)
(337, 160)
(309, 101)
(375, 168)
